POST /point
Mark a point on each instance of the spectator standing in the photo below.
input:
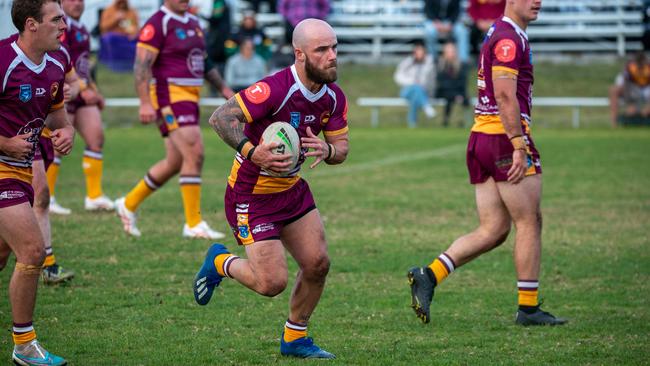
(119, 18)
(416, 77)
(451, 81)
(482, 14)
(295, 11)
(443, 20)
(219, 27)
(244, 68)
(248, 29)
(633, 86)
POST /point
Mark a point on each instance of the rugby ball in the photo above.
(289, 143)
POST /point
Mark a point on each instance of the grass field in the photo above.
(398, 201)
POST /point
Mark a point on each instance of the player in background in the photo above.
(268, 214)
(31, 97)
(84, 113)
(504, 168)
(170, 66)
(43, 156)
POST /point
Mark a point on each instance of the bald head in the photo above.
(310, 30)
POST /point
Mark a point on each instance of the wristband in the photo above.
(329, 151)
(332, 152)
(245, 148)
(249, 156)
(518, 142)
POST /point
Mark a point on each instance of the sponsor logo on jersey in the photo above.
(325, 117)
(260, 228)
(180, 33)
(25, 94)
(505, 50)
(54, 90)
(196, 62)
(10, 195)
(258, 92)
(310, 119)
(295, 119)
(147, 33)
(40, 92)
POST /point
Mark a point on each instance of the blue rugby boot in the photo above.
(33, 354)
(208, 278)
(303, 348)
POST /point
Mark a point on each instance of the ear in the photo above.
(300, 56)
(31, 25)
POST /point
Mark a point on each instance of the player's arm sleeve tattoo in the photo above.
(228, 121)
(144, 59)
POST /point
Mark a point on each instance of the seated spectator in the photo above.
(632, 85)
(244, 68)
(416, 77)
(119, 18)
(451, 81)
(249, 29)
(443, 20)
(482, 15)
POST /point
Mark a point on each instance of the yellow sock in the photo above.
(528, 291)
(23, 333)
(140, 192)
(50, 260)
(53, 174)
(93, 165)
(222, 263)
(191, 192)
(293, 331)
(442, 267)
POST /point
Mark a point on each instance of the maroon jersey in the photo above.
(282, 97)
(505, 48)
(179, 66)
(76, 40)
(29, 92)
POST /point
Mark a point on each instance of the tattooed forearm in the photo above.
(142, 71)
(214, 78)
(228, 121)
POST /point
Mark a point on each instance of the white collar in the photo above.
(74, 22)
(312, 97)
(516, 26)
(183, 19)
(24, 59)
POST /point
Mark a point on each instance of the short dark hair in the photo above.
(23, 9)
(418, 43)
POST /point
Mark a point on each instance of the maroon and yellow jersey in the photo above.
(283, 97)
(505, 48)
(76, 40)
(29, 93)
(180, 47)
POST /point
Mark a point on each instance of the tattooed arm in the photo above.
(228, 121)
(144, 58)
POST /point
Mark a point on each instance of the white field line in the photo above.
(374, 164)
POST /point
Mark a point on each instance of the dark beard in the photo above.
(318, 76)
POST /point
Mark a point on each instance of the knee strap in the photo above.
(28, 269)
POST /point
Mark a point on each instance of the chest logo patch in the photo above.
(25, 94)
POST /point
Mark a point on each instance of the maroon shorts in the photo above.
(45, 151)
(72, 106)
(256, 217)
(491, 156)
(14, 192)
(177, 115)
